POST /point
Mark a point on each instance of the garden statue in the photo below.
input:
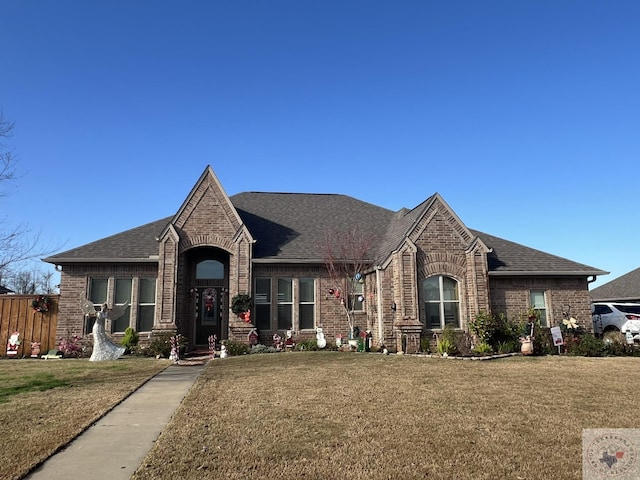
(289, 343)
(35, 349)
(277, 341)
(12, 344)
(321, 341)
(103, 347)
(253, 337)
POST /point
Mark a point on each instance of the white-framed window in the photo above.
(97, 294)
(285, 304)
(98, 291)
(538, 302)
(262, 303)
(356, 294)
(441, 302)
(294, 307)
(306, 303)
(146, 304)
(122, 295)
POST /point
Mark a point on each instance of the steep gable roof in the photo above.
(624, 288)
(207, 195)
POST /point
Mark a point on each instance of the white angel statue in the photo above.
(103, 347)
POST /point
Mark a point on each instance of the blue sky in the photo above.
(523, 115)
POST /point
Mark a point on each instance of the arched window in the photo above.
(441, 302)
(210, 270)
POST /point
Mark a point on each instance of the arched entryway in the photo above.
(210, 293)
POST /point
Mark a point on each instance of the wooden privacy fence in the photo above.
(17, 314)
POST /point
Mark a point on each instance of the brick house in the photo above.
(425, 269)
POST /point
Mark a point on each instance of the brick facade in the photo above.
(208, 226)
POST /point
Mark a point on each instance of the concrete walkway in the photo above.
(113, 448)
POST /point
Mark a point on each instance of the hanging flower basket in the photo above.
(41, 304)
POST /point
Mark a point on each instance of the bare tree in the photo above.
(23, 283)
(29, 282)
(46, 282)
(7, 162)
(17, 243)
(346, 257)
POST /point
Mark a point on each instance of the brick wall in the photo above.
(511, 296)
(74, 283)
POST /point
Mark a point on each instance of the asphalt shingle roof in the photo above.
(510, 257)
(624, 288)
(136, 244)
(293, 227)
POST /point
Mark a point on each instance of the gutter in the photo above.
(546, 273)
(59, 261)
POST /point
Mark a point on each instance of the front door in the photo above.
(209, 314)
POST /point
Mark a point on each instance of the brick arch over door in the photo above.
(206, 240)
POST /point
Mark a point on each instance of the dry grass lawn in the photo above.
(44, 404)
(357, 416)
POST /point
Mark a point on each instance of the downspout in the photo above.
(379, 301)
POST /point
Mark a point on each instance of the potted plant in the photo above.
(526, 341)
(241, 305)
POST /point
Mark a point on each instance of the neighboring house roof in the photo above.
(622, 289)
(4, 290)
(292, 227)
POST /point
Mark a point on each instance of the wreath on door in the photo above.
(209, 298)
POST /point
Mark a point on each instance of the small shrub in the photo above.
(446, 346)
(73, 346)
(614, 336)
(543, 341)
(497, 331)
(235, 348)
(508, 346)
(262, 349)
(130, 340)
(588, 346)
(310, 344)
(483, 348)
(483, 325)
(425, 345)
(447, 341)
(615, 343)
(161, 345)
